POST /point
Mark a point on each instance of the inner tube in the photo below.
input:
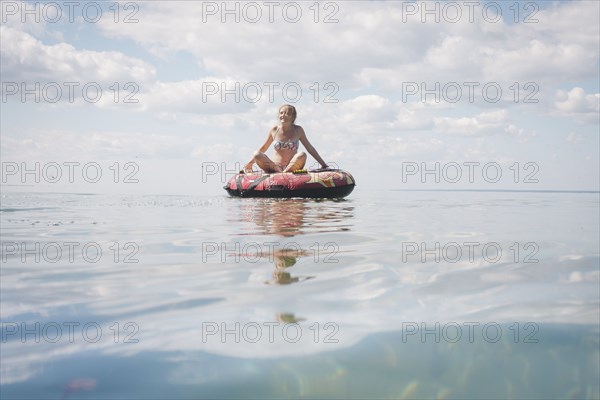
(327, 183)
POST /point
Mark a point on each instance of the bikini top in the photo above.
(288, 144)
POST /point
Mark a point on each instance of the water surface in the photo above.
(389, 294)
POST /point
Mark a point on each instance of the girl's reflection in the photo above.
(280, 275)
(284, 218)
(288, 218)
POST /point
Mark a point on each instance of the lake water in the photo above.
(386, 294)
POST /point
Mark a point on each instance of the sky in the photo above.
(173, 97)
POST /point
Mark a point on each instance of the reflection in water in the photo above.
(283, 277)
(289, 318)
(284, 259)
(291, 217)
(283, 218)
(288, 218)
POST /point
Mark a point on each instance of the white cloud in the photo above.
(492, 122)
(367, 116)
(454, 54)
(279, 51)
(567, 23)
(578, 104)
(93, 145)
(573, 137)
(26, 59)
(539, 61)
(208, 95)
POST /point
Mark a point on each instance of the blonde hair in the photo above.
(292, 109)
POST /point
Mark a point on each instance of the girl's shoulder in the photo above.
(299, 130)
(273, 130)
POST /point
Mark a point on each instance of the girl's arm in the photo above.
(311, 150)
(262, 149)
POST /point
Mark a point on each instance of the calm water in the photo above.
(389, 294)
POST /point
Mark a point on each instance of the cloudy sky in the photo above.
(169, 96)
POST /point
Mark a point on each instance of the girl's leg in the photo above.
(297, 162)
(265, 163)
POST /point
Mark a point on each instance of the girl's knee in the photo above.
(298, 161)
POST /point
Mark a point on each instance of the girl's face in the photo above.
(286, 115)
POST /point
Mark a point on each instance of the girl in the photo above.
(287, 137)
